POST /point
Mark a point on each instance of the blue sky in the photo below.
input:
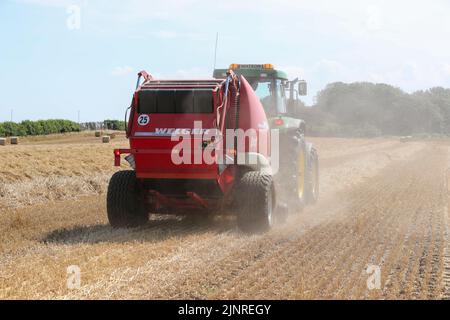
(48, 70)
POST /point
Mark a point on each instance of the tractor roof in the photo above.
(252, 71)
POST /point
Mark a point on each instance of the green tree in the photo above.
(114, 125)
(367, 109)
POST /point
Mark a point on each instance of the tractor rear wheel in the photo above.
(124, 205)
(312, 177)
(296, 173)
(256, 202)
(306, 166)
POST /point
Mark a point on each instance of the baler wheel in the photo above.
(124, 205)
(256, 205)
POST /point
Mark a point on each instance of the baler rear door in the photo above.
(163, 118)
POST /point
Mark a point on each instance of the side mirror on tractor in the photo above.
(302, 88)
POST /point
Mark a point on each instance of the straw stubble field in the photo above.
(383, 203)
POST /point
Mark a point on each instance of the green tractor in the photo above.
(298, 176)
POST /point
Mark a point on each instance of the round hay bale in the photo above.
(14, 140)
(98, 134)
(112, 135)
(106, 139)
(2, 141)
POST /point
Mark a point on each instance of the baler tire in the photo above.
(125, 207)
(256, 202)
(312, 178)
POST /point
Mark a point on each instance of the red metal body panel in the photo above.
(157, 161)
(253, 116)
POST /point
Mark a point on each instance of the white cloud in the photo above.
(122, 70)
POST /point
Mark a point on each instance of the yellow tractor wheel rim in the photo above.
(314, 178)
(301, 175)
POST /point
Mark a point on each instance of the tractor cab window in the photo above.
(271, 92)
(280, 94)
(262, 89)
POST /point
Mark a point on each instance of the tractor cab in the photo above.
(279, 96)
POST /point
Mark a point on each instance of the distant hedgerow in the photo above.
(35, 128)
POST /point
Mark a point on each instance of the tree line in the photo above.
(44, 127)
(104, 125)
(368, 109)
(35, 128)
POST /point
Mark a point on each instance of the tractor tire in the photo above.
(298, 198)
(312, 178)
(124, 205)
(256, 202)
